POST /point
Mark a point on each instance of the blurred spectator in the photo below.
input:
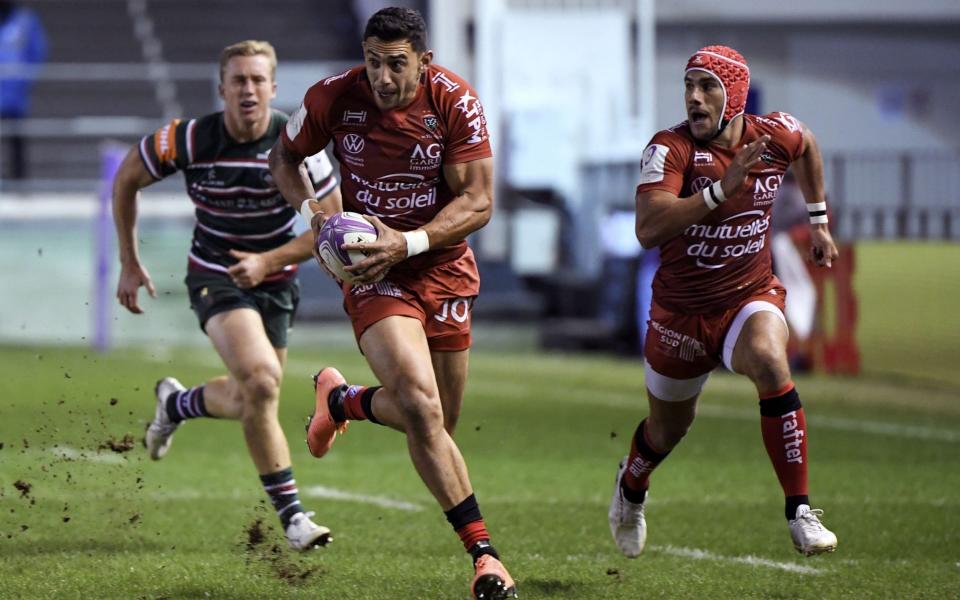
(23, 46)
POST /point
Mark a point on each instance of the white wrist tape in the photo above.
(817, 212)
(417, 242)
(305, 211)
(713, 195)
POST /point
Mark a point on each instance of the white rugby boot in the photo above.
(627, 523)
(303, 534)
(809, 535)
(159, 434)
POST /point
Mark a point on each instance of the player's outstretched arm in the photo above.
(662, 216)
(252, 268)
(130, 179)
(808, 170)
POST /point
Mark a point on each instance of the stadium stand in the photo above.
(298, 29)
(112, 58)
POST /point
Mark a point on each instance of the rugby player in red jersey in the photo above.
(706, 190)
(241, 267)
(415, 158)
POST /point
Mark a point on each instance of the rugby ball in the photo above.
(343, 228)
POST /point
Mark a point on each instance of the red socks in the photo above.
(784, 430)
(468, 523)
(643, 459)
(357, 403)
(471, 533)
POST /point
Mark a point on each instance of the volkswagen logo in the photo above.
(699, 183)
(353, 143)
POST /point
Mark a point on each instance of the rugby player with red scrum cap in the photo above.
(706, 191)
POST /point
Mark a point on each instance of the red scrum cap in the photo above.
(730, 68)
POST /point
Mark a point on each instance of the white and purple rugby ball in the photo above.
(343, 228)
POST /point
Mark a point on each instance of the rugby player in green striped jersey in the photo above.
(241, 266)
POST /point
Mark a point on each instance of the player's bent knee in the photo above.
(422, 414)
(771, 374)
(766, 364)
(424, 420)
(664, 432)
(262, 386)
(764, 350)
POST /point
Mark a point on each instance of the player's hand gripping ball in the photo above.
(343, 228)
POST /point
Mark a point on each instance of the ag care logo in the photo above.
(425, 159)
(765, 189)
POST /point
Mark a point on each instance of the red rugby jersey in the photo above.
(391, 162)
(716, 263)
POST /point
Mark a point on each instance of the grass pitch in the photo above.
(909, 325)
(84, 512)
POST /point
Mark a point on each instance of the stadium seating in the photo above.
(191, 35)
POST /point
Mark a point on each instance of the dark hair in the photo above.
(397, 23)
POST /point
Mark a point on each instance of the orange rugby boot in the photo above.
(492, 582)
(322, 429)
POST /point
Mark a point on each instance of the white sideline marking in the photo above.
(753, 561)
(192, 494)
(909, 431)
(841, 424)
(66, 452)
(314, 491)
(320, 491)
(616, 400)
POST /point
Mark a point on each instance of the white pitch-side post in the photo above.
(488, 18)
(488, 14)
(646, 67)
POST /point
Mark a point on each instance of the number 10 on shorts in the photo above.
(457, 309)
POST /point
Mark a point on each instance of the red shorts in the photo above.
(685, 346)
(440, 297)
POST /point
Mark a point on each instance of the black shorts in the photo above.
(212, 293)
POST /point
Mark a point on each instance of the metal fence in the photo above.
(895, 195)
(879, 195)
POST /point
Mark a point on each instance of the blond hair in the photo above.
(249, 48)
